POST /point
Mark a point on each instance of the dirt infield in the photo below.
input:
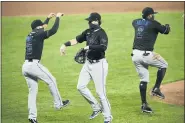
(43, 8)
(174, 93)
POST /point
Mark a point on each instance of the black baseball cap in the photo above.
(94, 17)
(36, 23)
(147, 11)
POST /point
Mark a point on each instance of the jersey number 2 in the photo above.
(140, 32)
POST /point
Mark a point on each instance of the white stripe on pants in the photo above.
(142, 63)
(33, 71)
(98, 73)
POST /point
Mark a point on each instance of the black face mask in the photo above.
(42, 29)
(93, 26)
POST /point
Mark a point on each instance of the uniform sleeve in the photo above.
(54, 29)
(133, 23)
(163, 29)
(46, 21)
(46, 34)
(104, 39)
(82, 37)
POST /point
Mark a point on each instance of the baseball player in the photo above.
(146, 32)
(95, 67)
(33, 70)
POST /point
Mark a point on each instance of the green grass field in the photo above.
(122, 80)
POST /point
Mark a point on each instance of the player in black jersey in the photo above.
(146, 32)
(95, 67)
(33, 70)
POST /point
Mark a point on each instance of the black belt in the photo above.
(92, 61)
(31, 60)
(143, 50)
(144, 54)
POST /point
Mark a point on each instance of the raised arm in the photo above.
(54, 29)
(47, 19)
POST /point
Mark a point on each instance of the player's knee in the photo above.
(101, 95)
(165, 65)
(80, 87)
(33, 90)
(52, 80)
(144, 76)
(144, 79)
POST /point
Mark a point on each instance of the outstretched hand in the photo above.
(62, 50)
(60, 14)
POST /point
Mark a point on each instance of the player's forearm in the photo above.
(71, 42)
(46, 21)
(54, 29)
(164, 29)
(167, 30)
(67, 44)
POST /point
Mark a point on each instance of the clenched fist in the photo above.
(60, 14)
(51, 15)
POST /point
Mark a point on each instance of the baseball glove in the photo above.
(80, 56)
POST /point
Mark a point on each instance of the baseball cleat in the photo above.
(32, 121)
(107, 121)
(145, 108)
(157, 92)
(94, 114)
(65, 103)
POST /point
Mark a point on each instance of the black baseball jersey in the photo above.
(97, 41)
(35, 41)
(146, 32)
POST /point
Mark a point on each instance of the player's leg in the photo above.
(143, 73)
(144, 79)
(33, 90)
(83, 81)
(44, 74)
(99, 74)
(156, 60)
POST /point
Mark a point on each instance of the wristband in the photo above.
(68, 43)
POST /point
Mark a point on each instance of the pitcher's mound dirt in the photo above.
(174, 93)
